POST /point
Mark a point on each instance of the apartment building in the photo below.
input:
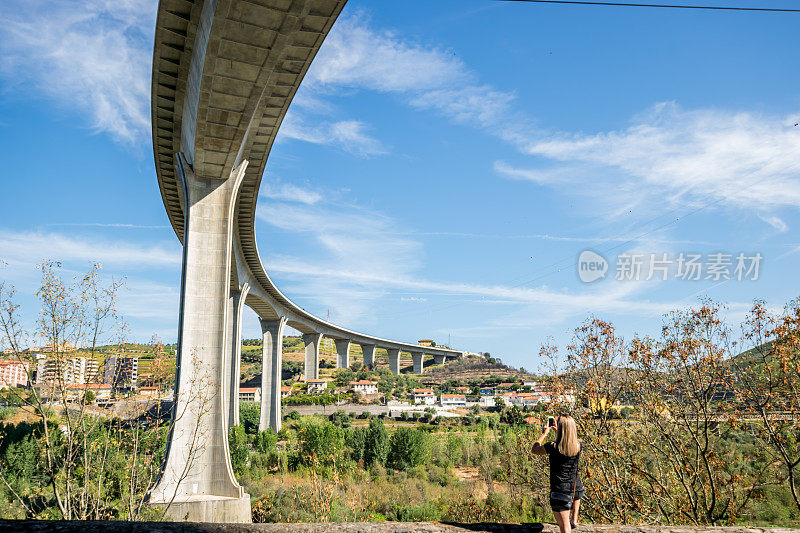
(67, 370)
(13, 374)
(121, 372)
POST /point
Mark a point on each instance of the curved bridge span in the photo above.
(224, 74)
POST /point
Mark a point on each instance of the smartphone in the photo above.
(551, 422)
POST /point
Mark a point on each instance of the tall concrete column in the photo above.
(271, 366)
(439, 359)
(394, 360)
(235, 308)
(197, 481)
(368, 351)
(343, 353)
(416, 357)
(312, 342)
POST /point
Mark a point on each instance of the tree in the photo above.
(408, 447)
(343, 377)
(265, 441)
(237, 445)
(320, 442)
(88, 467)
(356, 440)
(376, 445)
(249, 416)
(768, 376)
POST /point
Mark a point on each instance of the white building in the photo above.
(529, 383)
(13, 374)
(486, 401)
(76, 391)
(453, 400)
(424, 396)
(365, 386)
(316, 385)
(522, 398)
(68, 370)
(249, 394)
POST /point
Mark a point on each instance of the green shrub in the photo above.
(376, 445)
(237, 445)
(320, 442)
(265, 442)
(407, 448)
(249, 416)
(356, 440)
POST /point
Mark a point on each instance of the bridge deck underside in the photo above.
(256, 53)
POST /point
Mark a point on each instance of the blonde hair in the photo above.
(567, 436)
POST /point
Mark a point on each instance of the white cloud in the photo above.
(348, 135)
(776, 223)
(289, 192)
(26, 249)
(684, 158)
(345, 239)
(552, 306)
(537, 176)
(355, 55)
(93, 56)
(358, 56)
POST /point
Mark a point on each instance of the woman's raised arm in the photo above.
(538, 446)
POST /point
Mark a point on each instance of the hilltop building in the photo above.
(13, 374)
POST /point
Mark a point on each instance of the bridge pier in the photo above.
(368, 351)
(416, 357)
(343, 353)
(394, 360)
(197, 482)
(439, 359)
(312, 342)
(271, 367)
(235, 308)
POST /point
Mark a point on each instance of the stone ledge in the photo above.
(58, 526)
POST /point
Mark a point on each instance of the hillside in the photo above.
(472, 368)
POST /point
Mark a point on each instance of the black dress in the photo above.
(563, 474)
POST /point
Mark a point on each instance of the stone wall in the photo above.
(40, 526)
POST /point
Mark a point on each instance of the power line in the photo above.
(672, 6)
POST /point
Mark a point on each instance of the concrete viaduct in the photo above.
(224, 74)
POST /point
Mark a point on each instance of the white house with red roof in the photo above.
(365, 386)
(424, 396)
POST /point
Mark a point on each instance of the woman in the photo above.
(566, 488)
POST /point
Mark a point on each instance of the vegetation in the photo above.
(697, 426)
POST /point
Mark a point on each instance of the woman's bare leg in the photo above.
(562, 518)
(576, 505)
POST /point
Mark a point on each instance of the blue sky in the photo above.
(442, 167)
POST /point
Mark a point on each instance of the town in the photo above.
(119, 375)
